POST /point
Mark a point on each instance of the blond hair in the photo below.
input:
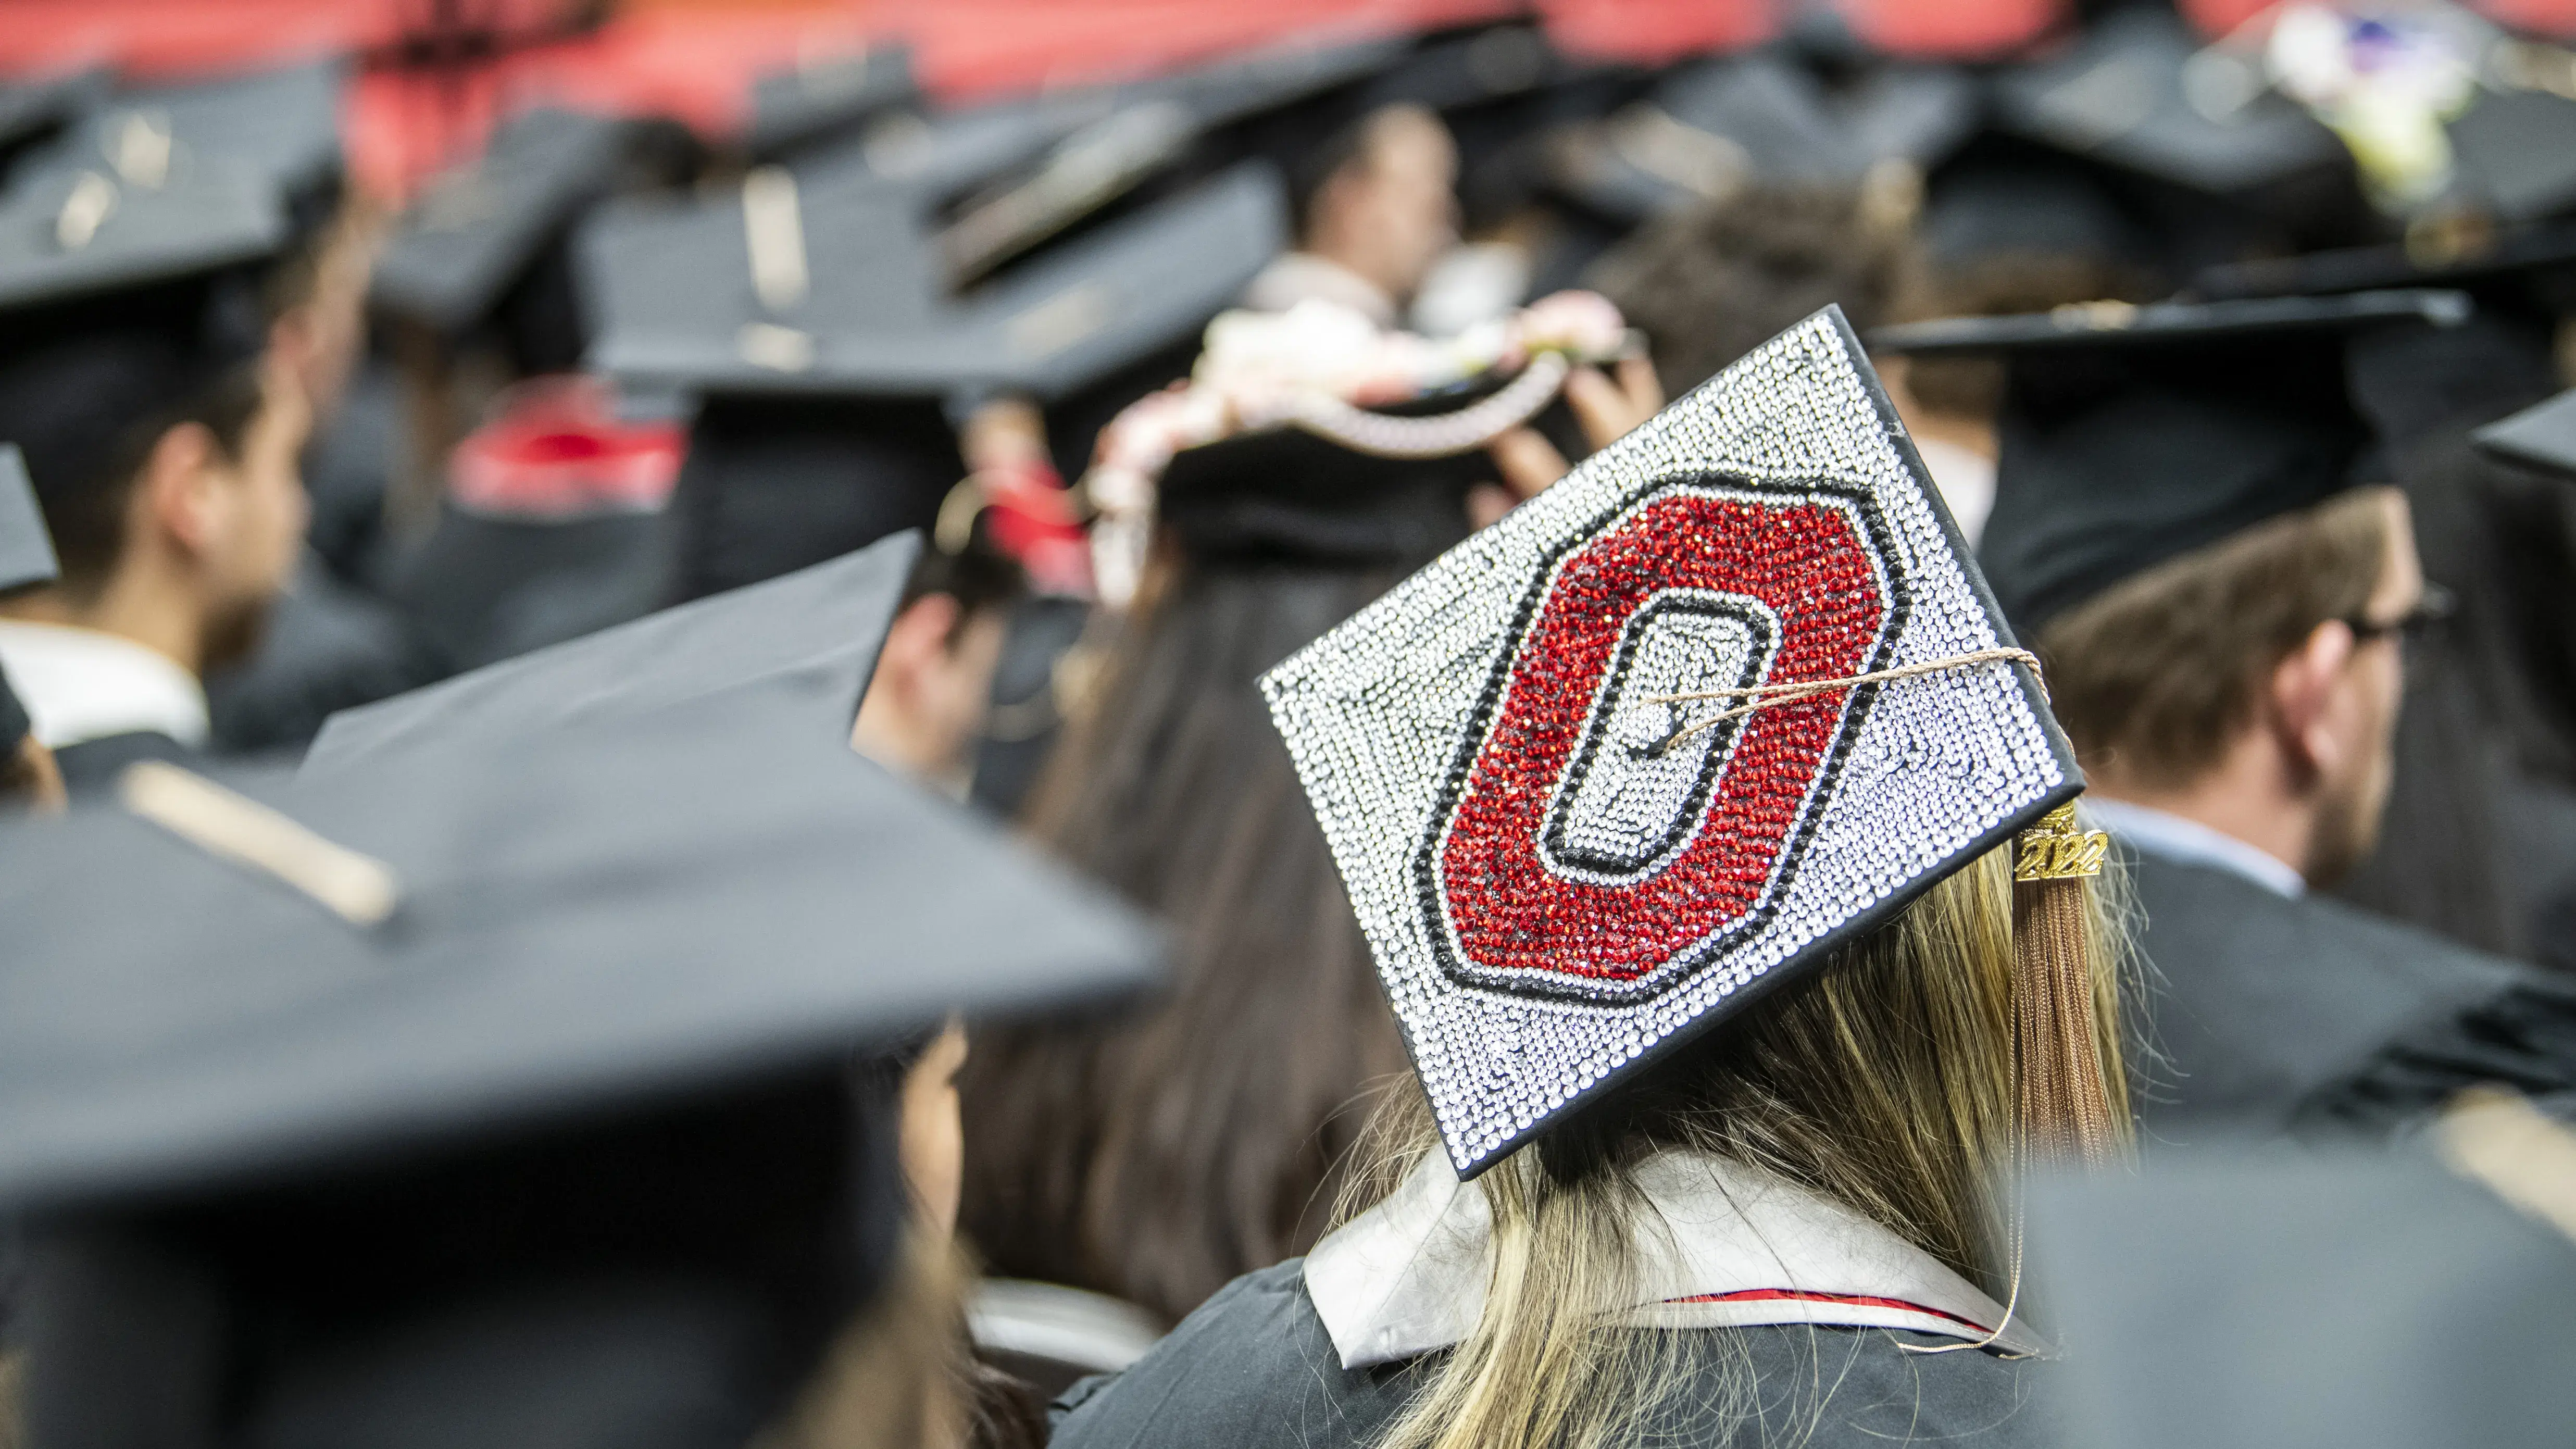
(1885, 1081)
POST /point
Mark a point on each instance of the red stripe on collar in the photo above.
(1771, 1295)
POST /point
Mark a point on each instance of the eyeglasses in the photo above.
(2432, 608)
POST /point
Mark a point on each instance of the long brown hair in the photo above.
(1886, 1081)
(1158, 1157)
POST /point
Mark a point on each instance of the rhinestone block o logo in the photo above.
(1580, 850)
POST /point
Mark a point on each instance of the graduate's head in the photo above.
(1680, 812)
(1384, 201)
(2287, 638)
(1711, 282)
(166, 484)
(2190, 521)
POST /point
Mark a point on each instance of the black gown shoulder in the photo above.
(1253, 1368)
(2268, 1013)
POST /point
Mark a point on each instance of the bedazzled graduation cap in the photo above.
(2239, 1296)
(564, 1137)
(2133, 435)
(1556, 888)
(806, 643)
(2541, 437)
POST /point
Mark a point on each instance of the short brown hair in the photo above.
(2153, 678)
(1714, 281)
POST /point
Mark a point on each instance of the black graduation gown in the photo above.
(92, 766)
(2269, 1013)
(1254, 1368)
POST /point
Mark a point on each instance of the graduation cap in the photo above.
(70, 235)
(2121, 95)
(33, 110)
(2244, 1295)
(826, 97)
(26, 549)
(474, 233)
(2467, 256)
(2541, 438)
(1562, 873)
(425, 1105)
(810, 639)
(2515, 153)
(2133, 435)
(1714, 126)
(119, 303)
(814, 327)
(834, 290)
(280, 126)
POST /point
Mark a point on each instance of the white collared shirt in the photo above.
(2170, 836)
(1735, 1247)
(86, 684)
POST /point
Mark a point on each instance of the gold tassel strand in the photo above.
(2065, 1104)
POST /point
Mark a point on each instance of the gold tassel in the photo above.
(2065, 1104)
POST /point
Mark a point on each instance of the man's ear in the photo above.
(173, 495)
(2300, 701)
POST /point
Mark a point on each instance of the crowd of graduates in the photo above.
(1408, 727)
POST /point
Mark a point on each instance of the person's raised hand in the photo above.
(1604, 406)
(1608, 409)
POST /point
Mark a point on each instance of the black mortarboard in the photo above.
(1289, 495)
(2542, 437)
(565, 1135)
(2265, 1296)
(2523, 279)
(33, 110)
(282, 126)
(2516, 153)
(827, 97)
(810, 640)
(2526, 268)
(2003, 202)
(119, 303)
(825, 372)
(26, 549)
(2133, 435)
(71, 234)
(2120, 95)
(474, 233)
(579, 918)
(1713, 126)
(845, 298)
